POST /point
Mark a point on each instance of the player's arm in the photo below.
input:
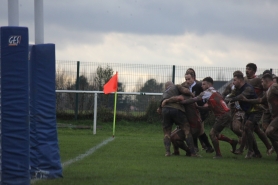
(184, 90)
(172, 100)
(246, 93)
(159, 109)
(255, 101)
(204, 107)
(192, 100)
(227, 90)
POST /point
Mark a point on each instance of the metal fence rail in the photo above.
(101, 92)
(132, 78)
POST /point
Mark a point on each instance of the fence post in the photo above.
(173, 74)
(95, 115)
(270, 71)
(77, 88)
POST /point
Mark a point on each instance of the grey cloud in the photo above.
(255, 20)
(252, 19)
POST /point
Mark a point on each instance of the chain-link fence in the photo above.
(91, 76)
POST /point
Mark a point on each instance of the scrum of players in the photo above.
(248, 106)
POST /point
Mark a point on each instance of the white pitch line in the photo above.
(80, 157)
(89, 152)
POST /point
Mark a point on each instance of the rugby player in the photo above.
(215, 103)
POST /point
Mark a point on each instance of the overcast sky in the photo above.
(177, 32)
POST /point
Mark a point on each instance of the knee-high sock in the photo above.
(189, 142)
(205, 139)
(195, 142)
(183, 146)
(224, 138)
(215, 143)
(250, 140)
(167, 143)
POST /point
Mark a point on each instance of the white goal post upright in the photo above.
(13, 18)
(13, 13)
(39, 21)
(101, 92)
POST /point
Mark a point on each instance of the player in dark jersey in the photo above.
(195, 122)
(215, 103)
(175, 113)
(271, 97)
(252, 115)
(255, 81)
(194, 119)
(236, 112)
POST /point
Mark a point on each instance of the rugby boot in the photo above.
(270, 151)
(167, 154)
(249, 155)
(238, 152)
(217, 157)
(188, 154)
(257, 155)
(195, 155)
(210, 150)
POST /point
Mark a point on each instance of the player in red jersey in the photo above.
(214, 102)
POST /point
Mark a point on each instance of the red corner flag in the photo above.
(111, 85)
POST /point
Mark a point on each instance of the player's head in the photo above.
(267, 72)
(168, 84)
(238, 79)
(267, 81)
(191, 71)
(207, 83)
(251, 69)
(189, 78)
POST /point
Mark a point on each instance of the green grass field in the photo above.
(136, 156)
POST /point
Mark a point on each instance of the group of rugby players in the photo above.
(245, 103)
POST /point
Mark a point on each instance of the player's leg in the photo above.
(180, 119)
(177, 139)
(214, 139)
(223, 122)
(256, 119)
(174, 139)
(237, 124)
(204, 139)
(167, 114)
(249, 129)
(272, 134)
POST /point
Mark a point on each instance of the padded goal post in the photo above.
(44, 149)
(14, 106)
